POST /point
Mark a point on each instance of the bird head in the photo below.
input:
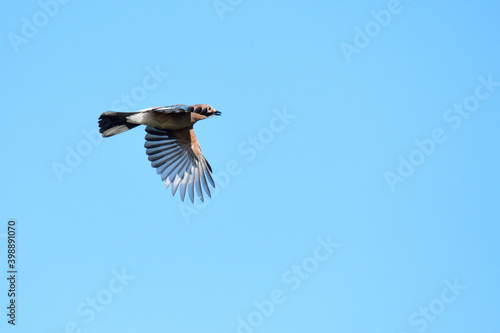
(205, 110)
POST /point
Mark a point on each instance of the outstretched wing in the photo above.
(177, 157)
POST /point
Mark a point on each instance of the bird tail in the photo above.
(112, 123)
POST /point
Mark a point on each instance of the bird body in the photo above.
(172, 121)
(171, 143)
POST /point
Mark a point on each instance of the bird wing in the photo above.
(177, 108)
(177, 157)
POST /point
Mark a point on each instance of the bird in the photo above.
(171, 145)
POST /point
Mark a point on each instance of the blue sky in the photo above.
(356, 163)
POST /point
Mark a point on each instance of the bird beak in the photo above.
(218, 113)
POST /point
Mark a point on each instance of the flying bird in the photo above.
(171, 145)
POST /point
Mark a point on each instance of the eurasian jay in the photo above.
(171, 144)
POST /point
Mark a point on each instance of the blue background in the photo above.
(321, 176)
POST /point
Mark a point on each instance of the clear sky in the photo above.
(357, 162)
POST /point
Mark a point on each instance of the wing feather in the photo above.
(177, 157)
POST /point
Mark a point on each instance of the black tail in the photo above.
(112, 123)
